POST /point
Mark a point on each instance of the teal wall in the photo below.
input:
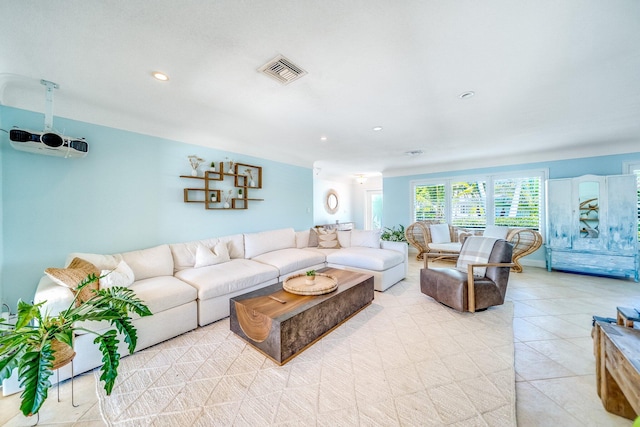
(397, 190)
(125, 195)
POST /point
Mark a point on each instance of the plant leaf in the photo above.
(10, 360)
(34, 374)
(26, 313)
(108, 344)
(120, 298)
(65, 336)
(126, 328)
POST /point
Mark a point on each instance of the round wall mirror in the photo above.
(331, 203)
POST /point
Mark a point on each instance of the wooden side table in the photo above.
(626, 316)
(617, 351)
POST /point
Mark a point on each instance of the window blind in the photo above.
(468, 204)
(429, 202)
(517, 202)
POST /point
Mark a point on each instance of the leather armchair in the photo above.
(463, 291)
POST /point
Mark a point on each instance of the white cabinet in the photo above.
(592, 225)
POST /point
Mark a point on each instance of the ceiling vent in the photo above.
(282, 70)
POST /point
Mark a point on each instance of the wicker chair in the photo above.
(418, 235)
(524, 240)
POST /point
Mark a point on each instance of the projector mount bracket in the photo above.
(48, 110)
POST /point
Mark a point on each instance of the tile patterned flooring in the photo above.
(554, 362)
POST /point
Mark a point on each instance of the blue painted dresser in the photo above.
(592, 225)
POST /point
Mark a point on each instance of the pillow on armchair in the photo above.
(440, 233)
(496, 231)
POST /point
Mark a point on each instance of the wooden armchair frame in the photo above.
(471, 289)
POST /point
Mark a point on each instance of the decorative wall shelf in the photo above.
(245, 177)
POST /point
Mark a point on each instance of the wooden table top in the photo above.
(266, 301)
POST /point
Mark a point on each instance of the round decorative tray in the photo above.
(323, 284)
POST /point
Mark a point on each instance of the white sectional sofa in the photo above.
(190, 284)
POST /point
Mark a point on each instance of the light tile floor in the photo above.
(554, 362)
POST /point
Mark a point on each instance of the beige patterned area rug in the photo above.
(403, 360)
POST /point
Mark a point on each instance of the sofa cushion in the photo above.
(222, 279)
(302, 239)
(328, 239)
(266, 241)
(103, 262)
(235, 245)
(122, 275)
(366, 238)
(206, 256)
(58, 298)
(163, 292)
(184, 254)
(313, 238)
(73, 275)
(151, 262)
(344, 238)
(290, 260)
(440, 233)
(367, 258)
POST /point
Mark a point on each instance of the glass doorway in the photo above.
(373, 214)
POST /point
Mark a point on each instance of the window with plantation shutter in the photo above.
(517, 202)
(509, 199)
(429, 202)
(469, 204)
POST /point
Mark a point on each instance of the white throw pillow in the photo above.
(206, 256)
(366, 238)
(103, 262)
(440, 233)
(496, 231)
(122, 275)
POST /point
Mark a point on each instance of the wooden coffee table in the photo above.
(281, 324)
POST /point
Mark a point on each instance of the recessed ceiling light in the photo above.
(323, 138)
(467, 94)
(160, 76)
(377, 128)
(412, 153)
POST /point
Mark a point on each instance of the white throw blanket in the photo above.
(476, 250)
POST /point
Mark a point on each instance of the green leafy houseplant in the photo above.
(28, 344)
(394, 235)
(311, 277)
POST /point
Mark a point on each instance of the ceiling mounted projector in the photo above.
(48, 141)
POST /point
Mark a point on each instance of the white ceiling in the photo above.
(553, 79)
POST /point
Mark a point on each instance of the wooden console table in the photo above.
(617, 351)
